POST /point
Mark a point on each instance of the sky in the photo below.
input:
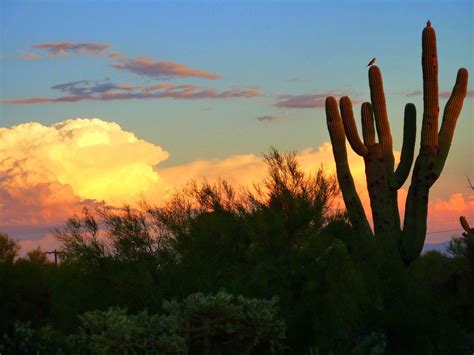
(118, 100)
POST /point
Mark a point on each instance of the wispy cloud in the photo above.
(36, 100)
(158, 69)
(83, 87)
(297, 79)
(54, 49)
(447, 94)
(143, 66)
(117, 55)
(301, 101)
(309, 100)
(294, 79)
(270, 118)
(30, 56)
(444, 94)
(88, 90)
(414, 93)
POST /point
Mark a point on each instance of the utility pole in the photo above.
(55, 252)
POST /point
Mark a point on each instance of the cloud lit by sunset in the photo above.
(207, 108)
(236, 177)
(51, 172)
(87, 158)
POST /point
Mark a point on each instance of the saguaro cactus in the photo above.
(383, 180)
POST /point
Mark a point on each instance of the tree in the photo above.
(37, 256)
(8, 249)
(224, 323)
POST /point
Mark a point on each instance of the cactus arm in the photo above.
(431, 158)
(423, 177)
(368, 130)
(408, 148)
(350, 127)
(451, 113)
(379, 106)
(352, 201)
(429, 59)
(416, 207)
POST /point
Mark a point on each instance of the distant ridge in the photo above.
(440, 247)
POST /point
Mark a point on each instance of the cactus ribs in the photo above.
(383, 180)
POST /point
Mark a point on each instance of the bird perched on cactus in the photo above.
(383, 180)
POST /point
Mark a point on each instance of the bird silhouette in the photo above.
(371, 62)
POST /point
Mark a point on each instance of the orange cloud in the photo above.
(55, 49)
(37, 203)
(444, 215)
(309, 100)
(245, 170)
(36, 100)
(158, 69)
(87, 90)
(47, 243)
(50, 172)
(30, 56)
(248, 169)
(116, 54)
(92, 158)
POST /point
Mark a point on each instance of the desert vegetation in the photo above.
(220, 271)
(274, 269)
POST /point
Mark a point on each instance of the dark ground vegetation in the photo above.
(220, 271)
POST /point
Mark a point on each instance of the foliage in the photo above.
(150, 280)
(24, 339)
(198, 324)
(8, 249)
(373, 344)
(115, 332)
(37, 256)
(225, 323)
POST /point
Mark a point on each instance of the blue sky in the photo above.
(207, 87)
(323, 46)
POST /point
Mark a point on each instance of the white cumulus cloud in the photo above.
(48, 173)
(47, 170)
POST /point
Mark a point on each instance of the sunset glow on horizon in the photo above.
(116, 102)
